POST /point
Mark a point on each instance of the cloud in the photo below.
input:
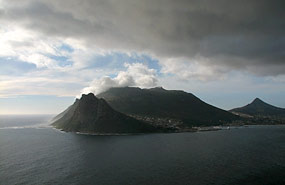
(59, 47)
(37, 86)
(232, 35)
(13, 67)
(136, 74)
(25, 45)
(185, 70)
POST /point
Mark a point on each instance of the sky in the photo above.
(225, 52)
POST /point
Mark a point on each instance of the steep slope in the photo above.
(259, 108)
(161, 103)
(92, 115)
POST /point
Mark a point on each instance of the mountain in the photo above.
(259, 108)
(92, 115)
(160, 104)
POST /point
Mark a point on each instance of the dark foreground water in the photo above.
(32, 153)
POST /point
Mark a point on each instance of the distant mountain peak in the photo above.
(259, 103)
(257, 100)
(259, 107)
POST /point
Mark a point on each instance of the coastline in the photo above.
(192, 130)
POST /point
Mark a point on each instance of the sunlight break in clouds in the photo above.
(137, 74)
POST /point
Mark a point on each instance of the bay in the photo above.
(32, 152)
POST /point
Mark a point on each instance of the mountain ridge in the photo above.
(135, 110)
(161, 103)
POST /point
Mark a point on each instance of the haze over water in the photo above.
(33, 153)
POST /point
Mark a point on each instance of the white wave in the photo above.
(37, 126)
(58, 130)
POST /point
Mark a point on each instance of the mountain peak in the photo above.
(159, 88)
(89, 96)
(92, 115)
(260, 108)
(257, 100)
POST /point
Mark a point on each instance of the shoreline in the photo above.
(192, 130)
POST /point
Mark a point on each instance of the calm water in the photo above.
(32, 153)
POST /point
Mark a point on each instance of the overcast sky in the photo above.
(226, 52)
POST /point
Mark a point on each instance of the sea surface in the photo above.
(31, 152)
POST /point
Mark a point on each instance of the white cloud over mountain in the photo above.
(136, 74)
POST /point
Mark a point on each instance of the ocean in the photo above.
(32, 152)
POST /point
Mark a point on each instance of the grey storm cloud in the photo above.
(243, 35)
